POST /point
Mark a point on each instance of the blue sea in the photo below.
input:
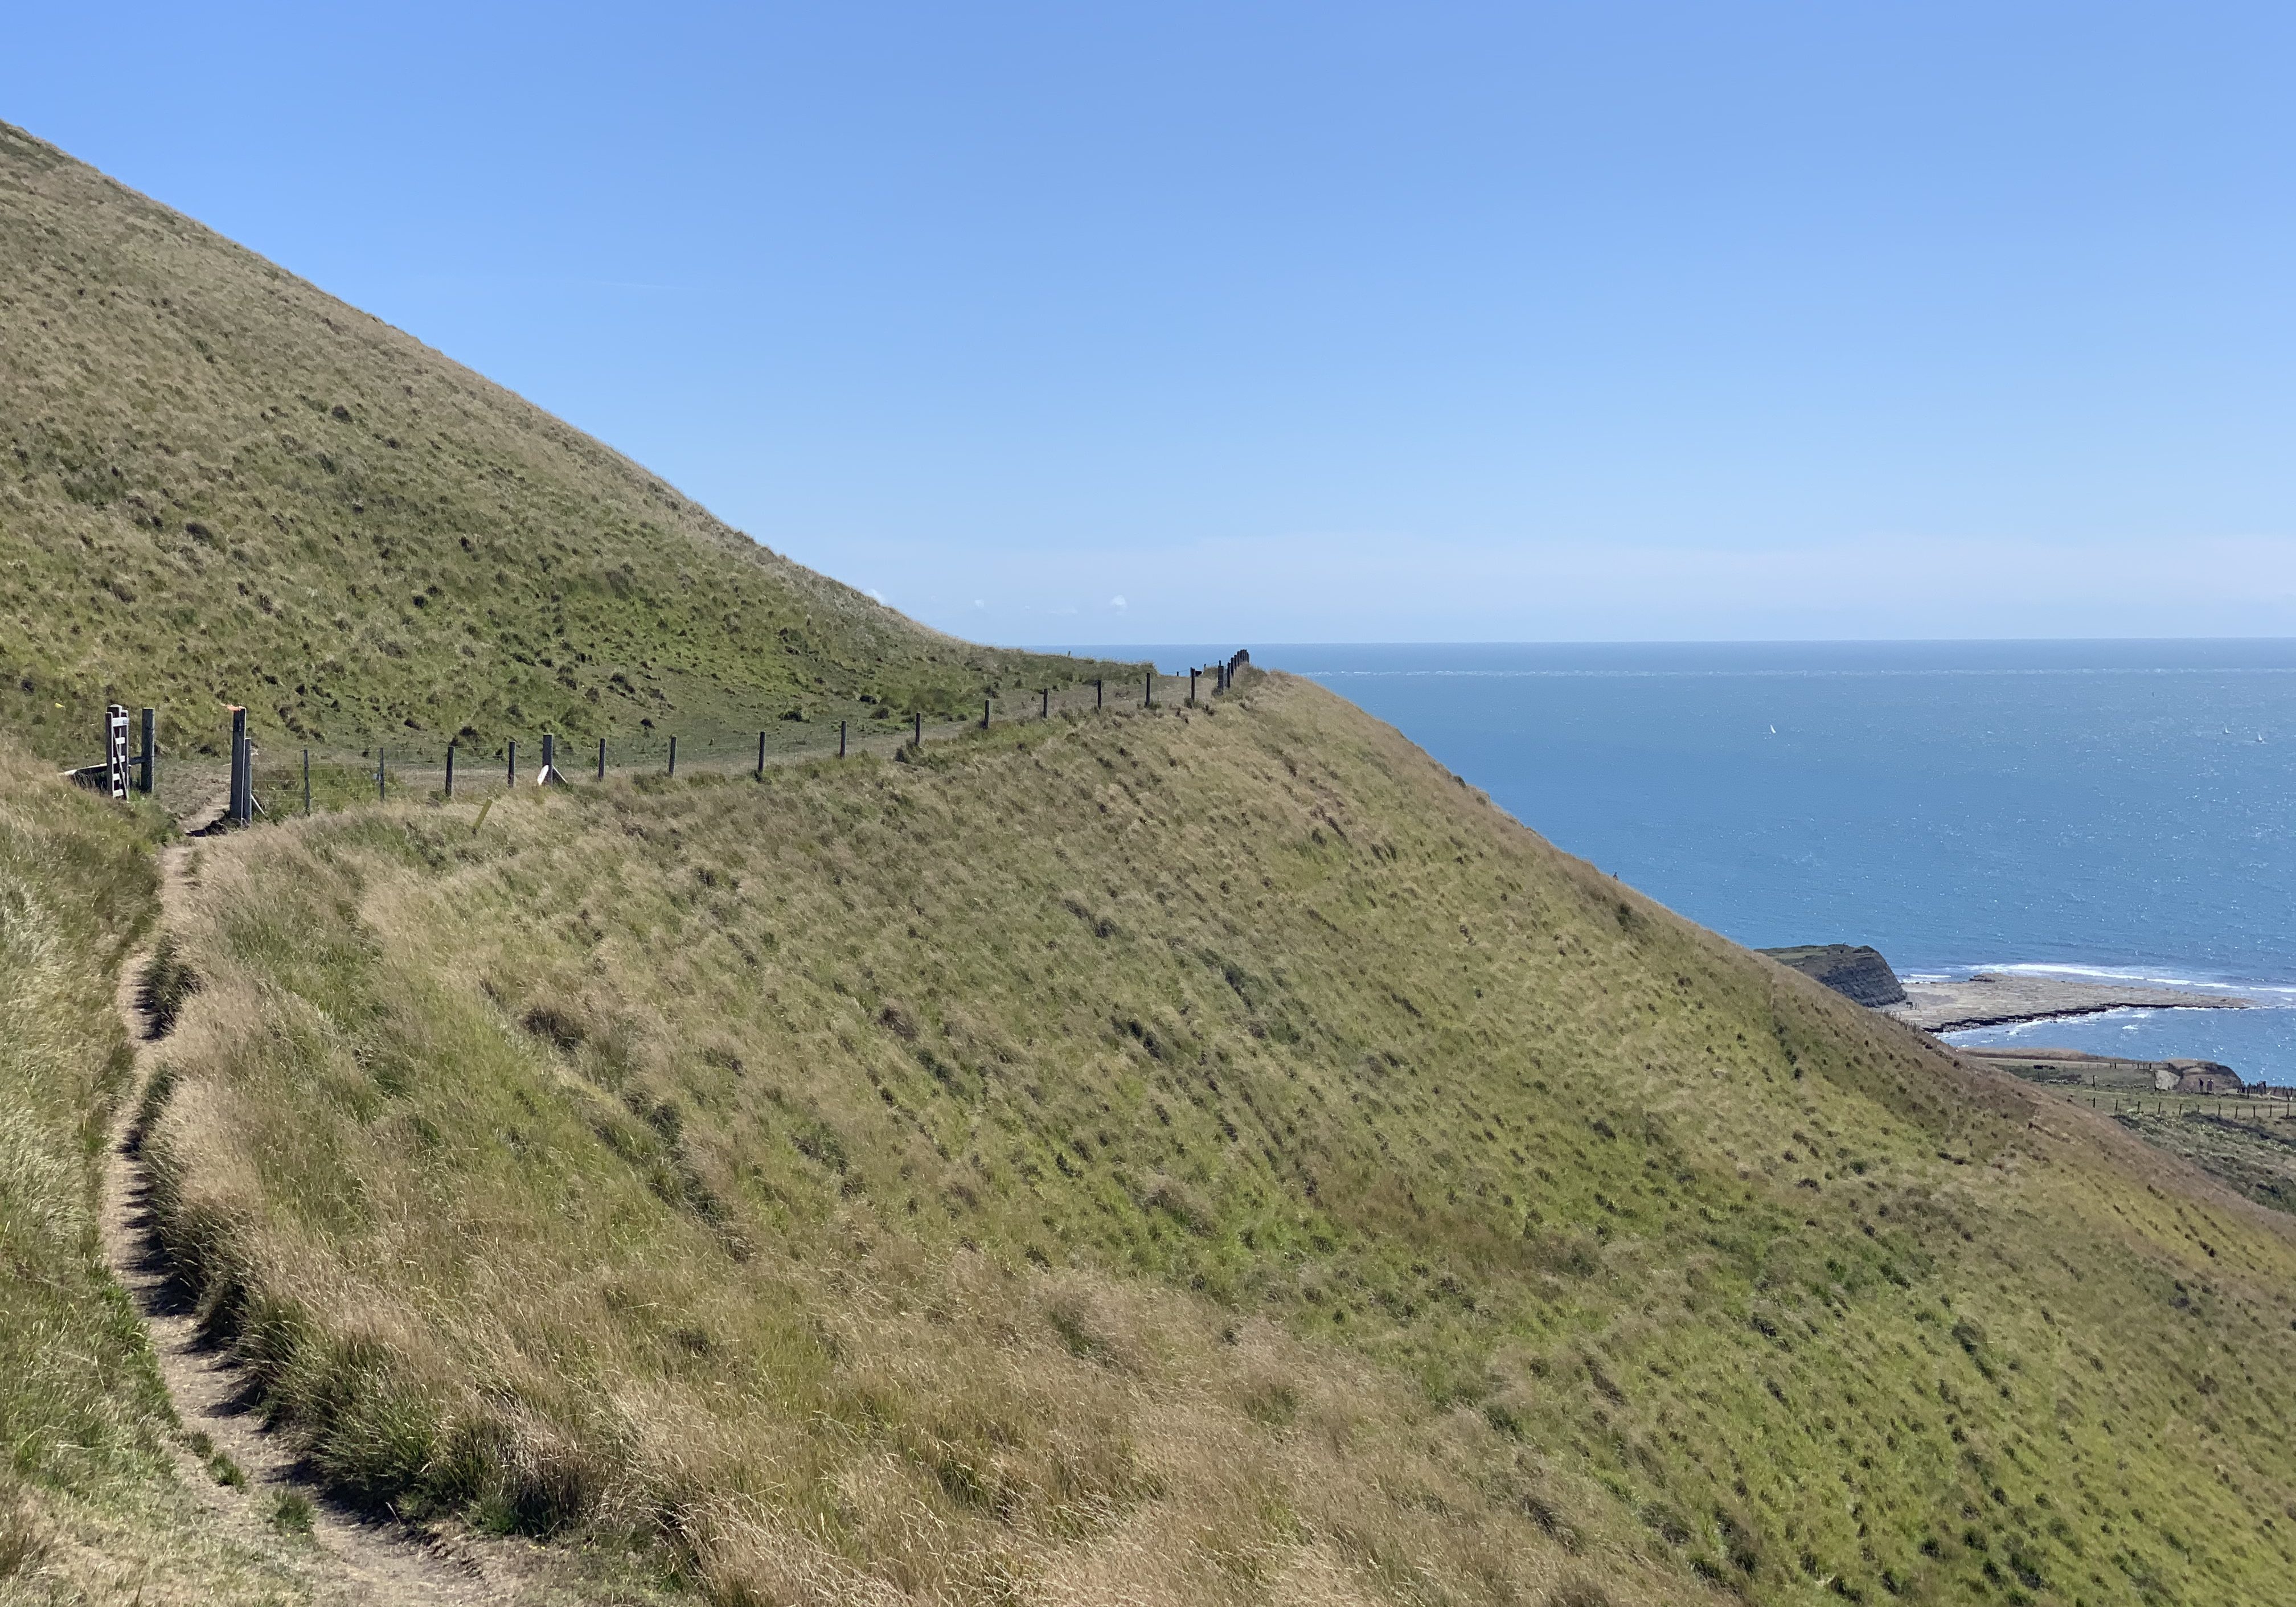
(2122, 809)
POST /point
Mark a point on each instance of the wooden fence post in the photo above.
(761, 754)
(1192, 686)
(1098, 695)
(1045, 709)
(917, 735)
(450, 772)
(841, 739)
(381, 763)
(1148, 690)
(985, 705)
(145, 766)
(510, 772)
(240, 811)
(602, 758)
(673, 756)
(307, 781)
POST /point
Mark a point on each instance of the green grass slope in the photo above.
(219, 485)
(1211, 1156)
(92, 1506)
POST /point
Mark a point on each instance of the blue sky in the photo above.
(1335, 321)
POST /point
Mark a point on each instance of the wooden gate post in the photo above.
(148, 760)
(241, 810)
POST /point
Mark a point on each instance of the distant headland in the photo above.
(1986, 999)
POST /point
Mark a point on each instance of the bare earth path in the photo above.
(348, 1559)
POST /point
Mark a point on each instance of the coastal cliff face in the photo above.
(1854, 971)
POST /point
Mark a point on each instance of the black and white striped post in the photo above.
(116, 778)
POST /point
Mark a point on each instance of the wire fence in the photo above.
(2275, 1105)
(284, 777)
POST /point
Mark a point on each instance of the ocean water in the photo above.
(2114, 808)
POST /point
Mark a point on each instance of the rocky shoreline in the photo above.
(1991, 999)
(1988, 999)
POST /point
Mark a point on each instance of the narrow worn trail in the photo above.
(349, 1559)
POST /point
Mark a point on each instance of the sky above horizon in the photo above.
(1277, 322)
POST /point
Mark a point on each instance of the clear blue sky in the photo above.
(1323, 322)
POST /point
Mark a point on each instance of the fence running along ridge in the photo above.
(301, 779)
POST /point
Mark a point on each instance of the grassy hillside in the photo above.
(92, 1507)
(1206, 1157)
(220, 484)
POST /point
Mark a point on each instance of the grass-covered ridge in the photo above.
(1208, 1156)
(218, 484)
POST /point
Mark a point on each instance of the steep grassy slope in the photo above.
(91, 1505)
(220, 484)
(1200, 1157)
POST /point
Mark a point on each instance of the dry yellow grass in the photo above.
(1201, 1157)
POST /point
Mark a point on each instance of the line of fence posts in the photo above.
(140, 769)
